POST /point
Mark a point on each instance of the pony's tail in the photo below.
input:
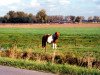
(44, 41)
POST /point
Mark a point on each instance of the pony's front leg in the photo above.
(54, 46)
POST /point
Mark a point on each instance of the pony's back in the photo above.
(44, 40)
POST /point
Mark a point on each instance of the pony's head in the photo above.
(57, 34)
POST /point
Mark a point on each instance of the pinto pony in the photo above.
(48, 38)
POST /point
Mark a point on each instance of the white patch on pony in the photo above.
(50, 39)
(54, 46)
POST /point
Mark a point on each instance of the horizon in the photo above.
(53, 7)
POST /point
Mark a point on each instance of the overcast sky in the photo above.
(52, 7)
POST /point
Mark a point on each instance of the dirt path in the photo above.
(46, 25)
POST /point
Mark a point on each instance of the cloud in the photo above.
(98, 7)
(91, 1)
(97, 1)
(14, 8)
(50, 0)
(64, 2)
(35, 3)
(8, 2)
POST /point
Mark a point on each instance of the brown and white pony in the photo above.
(48, 38)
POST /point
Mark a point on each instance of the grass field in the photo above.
(78, 40)
(74, 42)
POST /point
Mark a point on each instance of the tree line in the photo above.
(42, 17)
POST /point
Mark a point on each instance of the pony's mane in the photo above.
(55, 36)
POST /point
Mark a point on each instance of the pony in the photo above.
(48, 38)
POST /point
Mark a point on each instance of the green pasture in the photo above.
(77, 41)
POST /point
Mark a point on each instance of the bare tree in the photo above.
(41, 16)
(90, 19)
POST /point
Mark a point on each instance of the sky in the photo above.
(53, 7)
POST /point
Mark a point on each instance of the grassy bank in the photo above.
(48, 67)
